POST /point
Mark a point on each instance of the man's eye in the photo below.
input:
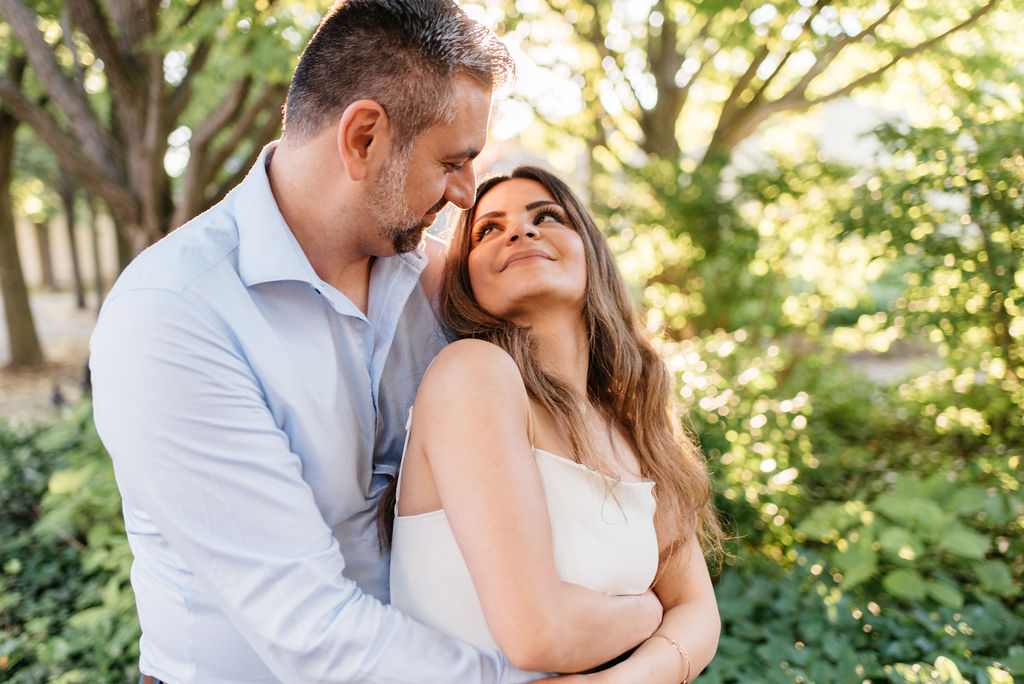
(455, 166)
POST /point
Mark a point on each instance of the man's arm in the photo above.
(196, 448)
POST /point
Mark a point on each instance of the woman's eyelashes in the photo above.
(481, 231)
(545, 215)
(549, 213)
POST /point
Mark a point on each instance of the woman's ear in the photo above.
(364, 138)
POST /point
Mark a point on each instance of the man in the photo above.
(253, 370)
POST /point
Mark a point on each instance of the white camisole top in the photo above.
(602, 533)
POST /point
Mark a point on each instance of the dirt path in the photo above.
(36, 395)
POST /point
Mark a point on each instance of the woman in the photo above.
(539, 443)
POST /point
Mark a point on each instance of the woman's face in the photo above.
(524, 255)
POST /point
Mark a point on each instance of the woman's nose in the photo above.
(522, 229)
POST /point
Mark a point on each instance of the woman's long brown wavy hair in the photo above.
(626, 380)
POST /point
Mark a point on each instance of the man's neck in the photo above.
(310, 187)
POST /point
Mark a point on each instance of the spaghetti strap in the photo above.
(530, 432)
(405, 448)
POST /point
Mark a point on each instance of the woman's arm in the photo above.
(472, 424)
(691, 620)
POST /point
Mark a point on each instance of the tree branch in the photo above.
(743, 126)
(905, 54)
(193, 10)
(759, 96)
(271, 94)
(597, 38)
(69, 151)
(732, 103)
(67, 35)
(183, 93)
(264, 135)
(64, 91)
(89, 18)
(832, 51)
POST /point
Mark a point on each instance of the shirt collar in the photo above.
(267, 250)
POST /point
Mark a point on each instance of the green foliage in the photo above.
(800, 626)
(952, 200)
(67, 613)
(923, 538)
(887, 522)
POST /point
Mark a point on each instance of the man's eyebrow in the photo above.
(468, 153)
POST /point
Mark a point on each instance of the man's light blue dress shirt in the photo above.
(252, 412)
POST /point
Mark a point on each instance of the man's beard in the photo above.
(388, 208)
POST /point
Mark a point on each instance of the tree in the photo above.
(650, 68)
(122, 75)
(67, 189)
(21, 330)
(952, 201)
(667, 92)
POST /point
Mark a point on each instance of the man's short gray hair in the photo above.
(402, 54)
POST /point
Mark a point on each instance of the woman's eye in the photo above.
(549, 215)
(482, 231)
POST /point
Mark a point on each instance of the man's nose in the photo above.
(461, 188)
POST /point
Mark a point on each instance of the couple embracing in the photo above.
(261, 374)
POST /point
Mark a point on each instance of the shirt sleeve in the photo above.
(196, 448)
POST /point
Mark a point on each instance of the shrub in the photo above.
(67, 613)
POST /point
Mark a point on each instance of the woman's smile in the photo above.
(526, 256)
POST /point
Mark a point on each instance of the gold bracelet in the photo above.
(682, 654)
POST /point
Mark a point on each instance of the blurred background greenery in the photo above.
(818, 204)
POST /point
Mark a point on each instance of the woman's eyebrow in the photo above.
(540, 203)
(490, 214)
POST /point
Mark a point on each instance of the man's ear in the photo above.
(364, 138)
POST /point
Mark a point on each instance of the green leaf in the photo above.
(901, 544)
(907, 486)
(944, 593)
(996, 578)
(69, 481)
(826, 522)
(905, 583)
(997, 676)
(948, 671)
(968, 500)
(56, 438)
(964, 542)
(923, 515)
(859, 560)
(1015, 661)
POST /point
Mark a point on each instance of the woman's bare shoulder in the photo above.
(473, 357)
(472, 375)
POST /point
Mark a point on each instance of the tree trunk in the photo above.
(21, 328)
(125, 250)
(45, 254)
(67, 197)
(94, 241)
